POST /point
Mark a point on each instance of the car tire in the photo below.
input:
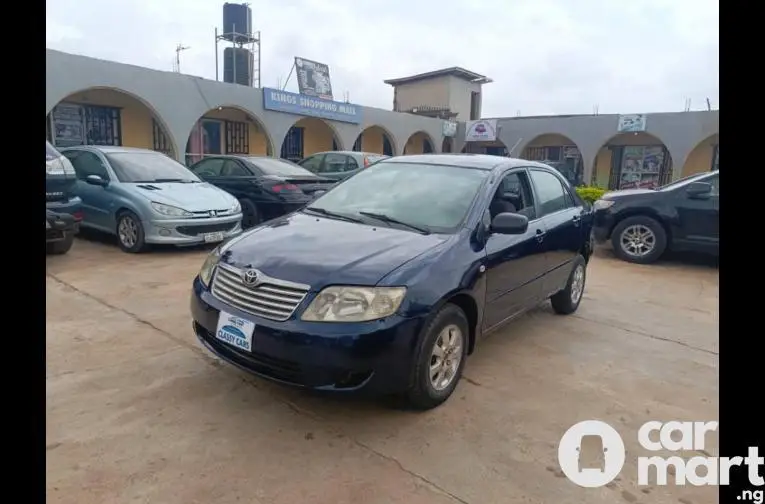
(567, 301)
(61, 247)
(449, 323)
(250, 214)
(130, 234)
(647, 232)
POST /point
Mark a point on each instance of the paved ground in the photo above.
(138, 412)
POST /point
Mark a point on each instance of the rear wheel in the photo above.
(250, 215)
(62, 246)
(639, 239)
(130, 234)
(440, 360)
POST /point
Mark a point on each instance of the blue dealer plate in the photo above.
(235, 331)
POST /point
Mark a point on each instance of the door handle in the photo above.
(540, 235)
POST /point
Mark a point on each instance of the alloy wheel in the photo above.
(446, 357)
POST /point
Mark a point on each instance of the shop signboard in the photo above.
(449, 128)
(483, 130)
(298, 104)
(313, 78)
(631, 123)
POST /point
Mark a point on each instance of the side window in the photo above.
(513, 195)
(552, 196)
(312, 163)
(87, 163)
(334, 163)
(352, 164)
(233, 168)
(208, 168)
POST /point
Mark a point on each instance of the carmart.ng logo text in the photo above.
(591, 454)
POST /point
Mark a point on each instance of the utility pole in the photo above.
(178, 49)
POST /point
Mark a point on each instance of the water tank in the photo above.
(237, 66)
(237, 18)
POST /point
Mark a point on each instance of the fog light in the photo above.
(164, 232)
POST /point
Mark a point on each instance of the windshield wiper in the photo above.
(181, 180)
(332, 214)
(391, 220)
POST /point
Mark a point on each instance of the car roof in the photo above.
(108, 149)
(475, 161)
(351, 153)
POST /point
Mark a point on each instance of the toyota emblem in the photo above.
(251, 277)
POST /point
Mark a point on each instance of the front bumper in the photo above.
(191, 231)
(343, 357)
(58, 226)
(602, 225)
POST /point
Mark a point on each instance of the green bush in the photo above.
(590, 194)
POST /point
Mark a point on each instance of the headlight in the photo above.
(602, 204)
(208, 268)
(354, 304)
(236, 207)
(68, 167)
(171, 211)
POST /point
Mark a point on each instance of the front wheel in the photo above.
(250, 214)
(440, 359)
(639, 239)
(130, 234)
(567, 301)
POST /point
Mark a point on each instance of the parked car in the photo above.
(643, 223)
(265, 187)
(339, 165)
(390, 290)
(60, 229)
(61, 198)
(144, 197)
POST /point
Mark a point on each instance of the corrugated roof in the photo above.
(455, 71)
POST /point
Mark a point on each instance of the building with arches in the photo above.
(102, 102)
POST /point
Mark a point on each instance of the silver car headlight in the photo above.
(602, 204)
(354, 304)
(236, 207)
(169, 210)
(208, 267)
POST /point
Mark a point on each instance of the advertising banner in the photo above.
(484, 130)
(313, 78)
(293, 103)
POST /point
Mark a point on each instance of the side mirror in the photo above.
(96, 180)
(698, 190)
(509, 224)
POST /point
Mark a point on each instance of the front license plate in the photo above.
(213, 237)
(235, 331)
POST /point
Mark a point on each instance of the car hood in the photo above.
(319, 251)
(627, 192)
(193, 197)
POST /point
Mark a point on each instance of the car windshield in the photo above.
(683, 181)
(50, 152)
(148, 167)
(273, 166)
(434, 197)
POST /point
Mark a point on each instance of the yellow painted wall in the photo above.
(551, 140)
(137, 127)
(700, 158)
(258, 139)
(317, 135)
(602, 170)
(415, 143)
(372, 139)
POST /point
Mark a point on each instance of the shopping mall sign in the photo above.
(293, 103)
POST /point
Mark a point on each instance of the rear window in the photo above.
(50, 152)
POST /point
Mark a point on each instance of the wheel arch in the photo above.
(642, 212)
(467, 303)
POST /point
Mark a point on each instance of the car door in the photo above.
(699, 217)
(515, 264)
(97, 201)
(235, 179)
(562, 217)
(313, 163)
(335, 166)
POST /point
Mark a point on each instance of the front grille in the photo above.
(272, 298)
(206, 228)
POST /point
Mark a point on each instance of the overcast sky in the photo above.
(545, 56)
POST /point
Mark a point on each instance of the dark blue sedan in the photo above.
(390, 280)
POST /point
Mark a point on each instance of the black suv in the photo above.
(643, 223)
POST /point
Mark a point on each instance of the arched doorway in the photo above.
(309, 136)
(632, 160)
(446, 145)
(107, 116)
(704, 157)
(558, 151)
(227, 130)
(374, 139)
(494, 148)
(419, 143)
